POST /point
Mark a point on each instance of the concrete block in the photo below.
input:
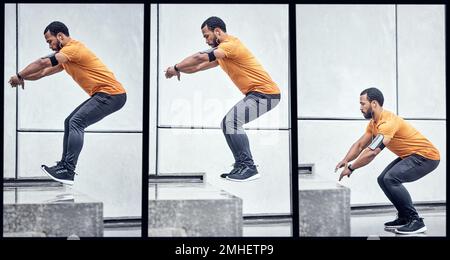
(324, 208)
(194, 210)
(50, 212)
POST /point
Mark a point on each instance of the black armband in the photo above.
(53, 60)
(211, 56)
(210, 53)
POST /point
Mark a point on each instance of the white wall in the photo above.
(325, 143)
(202, 100)
(343, 49)
(153, 87)
(205, 97)
(201, 150)
(421, 60)
(113, 32)
(109, 166)
(9, 113)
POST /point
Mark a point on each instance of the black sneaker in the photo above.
(398, 222)
(236, 168)
(414, 226)
(247, 173)
(59, 173)
(60, 163)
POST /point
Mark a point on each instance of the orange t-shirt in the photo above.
(243, 68)
(405, 139)
(88, 71)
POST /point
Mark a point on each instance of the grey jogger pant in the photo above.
(89, 112)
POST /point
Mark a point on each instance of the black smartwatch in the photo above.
(18, 76)
(175, 68)
(350, 168)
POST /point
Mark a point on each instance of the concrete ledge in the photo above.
(194, 210)
(50, 212)
(324, 208)
(167, 232)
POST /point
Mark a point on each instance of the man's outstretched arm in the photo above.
(38, 69)
(196, 62)
(45, 72)
(43, 63)
(202, 66)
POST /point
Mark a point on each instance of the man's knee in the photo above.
(227, 125)
(222, 125)
(75, 122)
(389, 179)
(380, 180)
(66, 122)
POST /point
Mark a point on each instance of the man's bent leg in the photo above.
(381, 180)
(409, 169)
(251, 107)
(66, 129)
(99, 106)
(243, 112)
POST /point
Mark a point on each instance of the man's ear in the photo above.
(373, 104)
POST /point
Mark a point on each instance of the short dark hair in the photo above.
(56, 27)
(214, 22)
(374, 94)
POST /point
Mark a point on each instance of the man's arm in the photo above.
(41, 64)
(355, 150)
(196, 62)
(366, 156)
(202, 66)
(369, 154)
(45, 72)
(198, 59)
(38, 69)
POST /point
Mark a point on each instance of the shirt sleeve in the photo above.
(388, 129)
(228, 48)
(71, 52)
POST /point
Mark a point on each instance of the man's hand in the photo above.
(340, 165)
(14, 81)
(345, 172)
(170, 72)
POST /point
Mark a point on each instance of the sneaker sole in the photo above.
(393, 227)
(62, 181)
(254, 177)
(420, 230)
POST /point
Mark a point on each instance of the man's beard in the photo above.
(369, 114)
(215, 43)
(58, 45)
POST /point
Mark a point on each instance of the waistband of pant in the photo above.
(263, 95)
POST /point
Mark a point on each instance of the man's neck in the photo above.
(223, 37)
(66, 41)
(377, 114)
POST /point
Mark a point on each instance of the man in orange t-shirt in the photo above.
(417, 157)
(261, 93)
(107, 95)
